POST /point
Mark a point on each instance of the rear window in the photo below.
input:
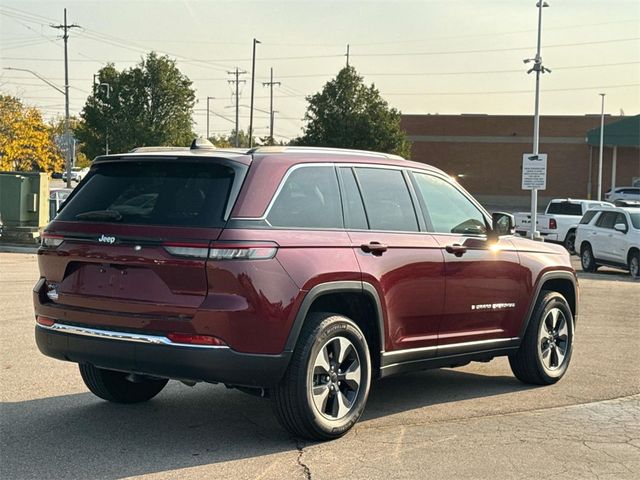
(148, 193)
(565, 208)
(588, 216)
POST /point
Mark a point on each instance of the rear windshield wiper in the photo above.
(100, 215)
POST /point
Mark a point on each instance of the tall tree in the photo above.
(149, 104)
(349, 114)
(26, 142)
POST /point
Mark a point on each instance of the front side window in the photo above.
(309, 198)
(387, 200)
(449, 209)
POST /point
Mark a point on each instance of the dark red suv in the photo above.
(297, 273)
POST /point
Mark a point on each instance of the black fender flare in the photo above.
(319, 290)
(538, 288)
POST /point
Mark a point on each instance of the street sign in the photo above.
(534, 171)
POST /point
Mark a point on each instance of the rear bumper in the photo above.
(194, 363)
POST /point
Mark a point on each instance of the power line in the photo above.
(501, 92)
(237, 82)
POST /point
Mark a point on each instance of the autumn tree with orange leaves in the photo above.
(26, 141)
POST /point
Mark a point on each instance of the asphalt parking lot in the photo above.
(475, 422)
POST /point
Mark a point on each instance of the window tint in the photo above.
(588, 216)
(634, 191)
(449, 209)
(607, 220)
(387, 200)
(309, 198)
(620, 218)
(635, 219)
(354, 215)
(181, 194)
(564, 208)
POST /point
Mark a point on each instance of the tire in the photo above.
(587, 260)
(634, 264)
(570, 242)
(545, 352)
(317, 399)
(115, 387)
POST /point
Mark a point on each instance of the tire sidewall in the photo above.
(333, 327)
(553, 301)
(570, 242)
(634, 257)
(587, 267)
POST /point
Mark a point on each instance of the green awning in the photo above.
(623, 133)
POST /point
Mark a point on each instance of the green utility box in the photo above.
(24, 199)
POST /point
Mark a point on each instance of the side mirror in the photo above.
(502, 223)
(620, 227)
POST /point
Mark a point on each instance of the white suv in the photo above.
(610, 236)
(623, 193)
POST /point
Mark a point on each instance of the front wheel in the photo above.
(545, 351)
(117, 386)
(324, 391)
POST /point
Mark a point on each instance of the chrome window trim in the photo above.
(121, 336)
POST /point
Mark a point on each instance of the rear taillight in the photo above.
(243, 250)
(190, 250)
(44, 321)
(224, 250)
(552, 224)
(48, 240)
(190, 339)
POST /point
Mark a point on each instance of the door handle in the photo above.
(374, 248)
(457, 249)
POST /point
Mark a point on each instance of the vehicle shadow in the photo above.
(80, 436)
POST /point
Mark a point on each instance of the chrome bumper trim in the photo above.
(122, 336)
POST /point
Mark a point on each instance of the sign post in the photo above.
(534, 178)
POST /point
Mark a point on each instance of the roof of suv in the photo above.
(289, 155)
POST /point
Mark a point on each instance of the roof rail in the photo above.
(327, 150)
(158, 149)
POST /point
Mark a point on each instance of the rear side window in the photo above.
(631, 191)
(607, 220)
(387, 200)
(148, 193)
(309, 198)
(355, 217)
(588, 216)
(564, 208)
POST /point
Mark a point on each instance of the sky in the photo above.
(430, 56)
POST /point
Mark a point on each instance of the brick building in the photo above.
(485, 153)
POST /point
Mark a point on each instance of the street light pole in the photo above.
(106, 135)
(208, 98)
(253, 79)
(538, 68)
(601, 148)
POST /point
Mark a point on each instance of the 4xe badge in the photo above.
(105, 239)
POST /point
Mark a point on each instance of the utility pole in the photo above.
(237, 81)
(106, 135)
(271, 83)
(538, 68)
(208, 98)
(253, 79)
(66, 27)
(601, 148)
(347, 55)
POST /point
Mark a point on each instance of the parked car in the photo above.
(294, 273)
(57, 175)
(56, 197)
(623, 193)
(610, 236)
(77, 174)
(558, 223)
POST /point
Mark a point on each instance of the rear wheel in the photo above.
(117, 386)
(634, 264)
(587, 260)
(325, 389)
(545, 351)
(570, 242)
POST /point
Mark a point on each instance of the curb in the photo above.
(18, 248)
